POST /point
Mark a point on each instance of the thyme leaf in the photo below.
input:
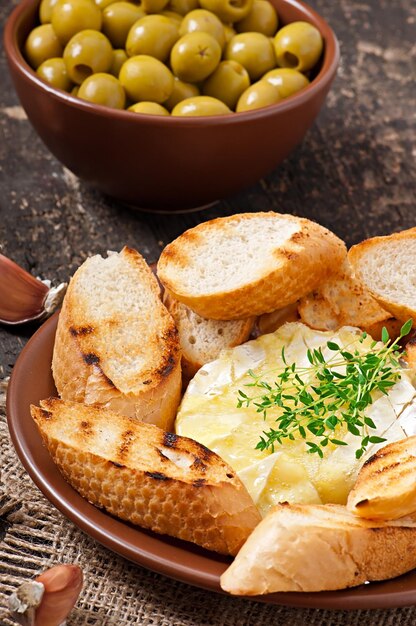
(321, 401)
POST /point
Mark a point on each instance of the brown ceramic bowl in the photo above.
(164, 163)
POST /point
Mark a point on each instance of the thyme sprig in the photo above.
(328, 397)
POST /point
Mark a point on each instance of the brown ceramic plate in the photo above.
(30, 382)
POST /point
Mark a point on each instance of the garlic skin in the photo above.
(48, 600)
(24, 298)
(24, 602)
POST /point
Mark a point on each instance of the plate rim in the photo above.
(370, 596)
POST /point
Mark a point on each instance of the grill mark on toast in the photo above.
(170, 358)
(205, 452)
(169, 439)
(81, 331)
(386, 468)
(127, 439)
(199, 465)
(166, 369)
(381, 454)
(91, 359)
(157, 475)
(199, 482)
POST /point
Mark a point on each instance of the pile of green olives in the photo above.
(172, 57)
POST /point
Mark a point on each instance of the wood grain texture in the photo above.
(355, 172)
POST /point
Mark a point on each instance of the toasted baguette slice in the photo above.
(386, 485)
(202, 340)
(319, 548)
(248, 264)
(342, 300)
(386, 266)
(116, 344)
(140, 473)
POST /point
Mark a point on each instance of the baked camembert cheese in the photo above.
(209, 413)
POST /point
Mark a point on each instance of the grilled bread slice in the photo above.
(248, 264)
(342, 300)
(116, 344)
(142, 474)
(317, 548)
(386, 485)
(385, 265)
(202, 340)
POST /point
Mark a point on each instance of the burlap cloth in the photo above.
(34, 536)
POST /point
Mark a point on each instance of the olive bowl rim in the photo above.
(320, 82)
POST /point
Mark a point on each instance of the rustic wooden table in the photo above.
(355, 172)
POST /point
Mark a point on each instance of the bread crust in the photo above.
(221, 334)
(357, 257)
(320, 548)
(342, 300)
(295, 268)
(385, 488)
(81, 354)
(140, 473)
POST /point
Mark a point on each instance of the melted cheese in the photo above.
(209, 414)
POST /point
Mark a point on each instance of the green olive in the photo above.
(149, 108)
(153, 6)
(182, 6)
(286, 80)
(54, 72)
(195, 56)
(74, 91)
(227, 83)
(45, 11)
(103, 89)
(42, 44)
(298, 46)
(146, 78)
(261, 19)
(86, 53)
(71, 16)
(153, 35)
(119, 57)
(229, 32)
(254, 51)
(257, 96)
(200, 105)
(228, 10)
(181, 91)
(203, 21)
(118, 18)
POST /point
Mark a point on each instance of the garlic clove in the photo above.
(23, 297)
(48, 600)
(63, 585)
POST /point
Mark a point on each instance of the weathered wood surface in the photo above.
(355, 172)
